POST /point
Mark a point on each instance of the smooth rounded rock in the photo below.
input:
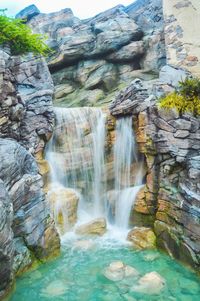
(95, 227)
(117, 271)
(151, 284)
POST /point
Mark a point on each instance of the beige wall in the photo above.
(182, 33)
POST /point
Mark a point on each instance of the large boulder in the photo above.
(63, 202)
(142, 238)
(95, 227)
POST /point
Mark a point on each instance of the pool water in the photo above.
(77, 275)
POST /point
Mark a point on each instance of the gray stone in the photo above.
(128, 53)
(28, 13)
(172, 76)
(131, 98)
(181, 134)
(31, 220)
(161, 124)
(181, 124)
(6, 240)
(168, 115)
(105, 75)
(22, 256)
(171, 142)
(115, 35)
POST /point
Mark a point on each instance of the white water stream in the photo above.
(77, 157)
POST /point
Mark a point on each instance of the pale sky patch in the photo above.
(81, 8)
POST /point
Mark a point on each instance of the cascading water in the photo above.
(77, 158)
(125, 155)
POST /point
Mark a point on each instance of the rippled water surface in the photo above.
(77, 275)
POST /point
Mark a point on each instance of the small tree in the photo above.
(185, 99)
(19, 37)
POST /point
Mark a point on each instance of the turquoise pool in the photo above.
(77, 275)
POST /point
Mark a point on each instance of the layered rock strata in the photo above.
(94, 58)
(27, 233)
(170, 200)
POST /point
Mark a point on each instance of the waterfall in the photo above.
(125, 155)
(78, 158)
(76, 155)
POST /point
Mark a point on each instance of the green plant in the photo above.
(190, 88)
(185, 99)
(19, 37)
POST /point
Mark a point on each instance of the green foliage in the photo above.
(19, 37)
(190, 88)
(185, 99)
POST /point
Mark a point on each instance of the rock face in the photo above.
(98, 56)
(26, 111)
(34, 89)
(22, 191)
(170, 199)
(181, 38)
(6, 240)
(27, 233)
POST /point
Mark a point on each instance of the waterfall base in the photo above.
(78, 275)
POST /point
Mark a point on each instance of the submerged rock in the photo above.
(54, 289)
(117, 271)
(151, 257)
(142, 238)
(150, 284)
(95, 227)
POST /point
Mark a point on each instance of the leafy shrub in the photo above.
(185, 99)
(19, 37)
(190, 88)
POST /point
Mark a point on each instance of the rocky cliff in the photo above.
(97, 57)
(26, 121)
(171, 144)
